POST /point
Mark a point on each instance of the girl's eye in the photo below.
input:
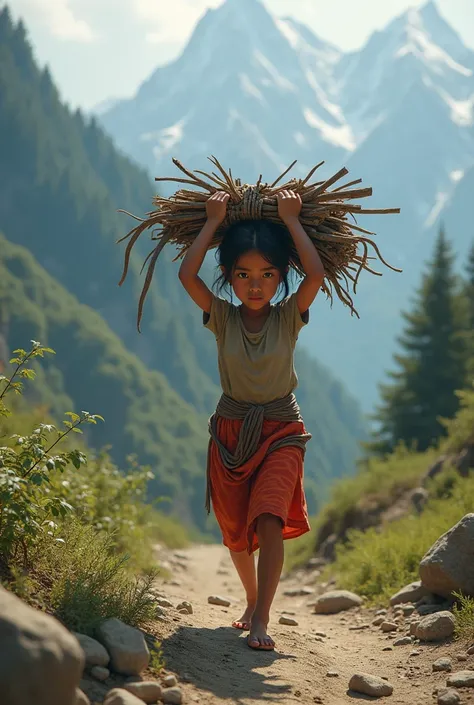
(268, 275)
(242, 275)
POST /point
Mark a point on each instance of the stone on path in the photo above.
(147, 691)
(410, 593)
(436, 627)
(470, 650)
(94, 652)
(388, 626)
(100, 673)
(164, 602)
(119, 696)
(448, 696)
(41, 661)
(403, 641)
(443, 664)
(336, 601)
(185, 607)
(449, 563)
(462, 657)
(217, 600)
(170, 681)
(332, 674)
(289, 621)
(462, 679)
(126, 645)
(172, 696)
(378, 621)
(368, 684)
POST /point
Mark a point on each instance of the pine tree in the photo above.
(469, 290)
(432, 362)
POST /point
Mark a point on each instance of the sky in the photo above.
(102, 49)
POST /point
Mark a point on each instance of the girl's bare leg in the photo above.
(245, 566)
(270, 565)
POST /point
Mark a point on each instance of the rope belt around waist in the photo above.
(252, 417)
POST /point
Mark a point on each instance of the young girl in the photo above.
(255, 468)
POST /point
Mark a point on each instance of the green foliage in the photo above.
(433, 365)
(92, 581)
(464, 616)
(376, 563)
(28, 507)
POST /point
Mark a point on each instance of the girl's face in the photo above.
(254, 280)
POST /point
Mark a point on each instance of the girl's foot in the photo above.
(244, 622)
(258, 638)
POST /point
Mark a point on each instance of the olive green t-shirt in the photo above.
(256, 367)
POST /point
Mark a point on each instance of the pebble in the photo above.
(470, 650)
(359, 626)
(216, 600)
(442, 664)
(462, 679)
(332, 674)
(163, 602)
(389, 626)
(185, 607)
(378, 621)
(147, 691)
(323, 634)
(100, 673)
(298, 592)
(414, 653)
(387, 648)
(172, 696)
(408, 610)
(462, 657)
(170, 681)
(448, 697)
(368, 684)
(383, 611)
(403, 641)
(289, 621)
(120, 696)
(436, 627)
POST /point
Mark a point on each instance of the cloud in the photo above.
(58, 18)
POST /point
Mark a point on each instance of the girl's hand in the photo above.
(289, 205)
(216, 207)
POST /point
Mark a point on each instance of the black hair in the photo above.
(271, 240)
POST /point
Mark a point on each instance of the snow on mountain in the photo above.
(259, 92)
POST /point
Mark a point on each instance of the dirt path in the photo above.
(215, 666)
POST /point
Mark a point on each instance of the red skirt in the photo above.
(268, 484)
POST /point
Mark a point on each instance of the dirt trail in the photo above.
(215, 666)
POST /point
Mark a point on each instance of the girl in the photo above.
(255, 462)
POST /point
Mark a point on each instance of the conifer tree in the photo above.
(431, 366)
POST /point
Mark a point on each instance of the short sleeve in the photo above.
(292, 317)
(216, 319)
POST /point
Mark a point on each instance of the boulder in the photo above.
(449, 564)
(129, 654)
(41, 662)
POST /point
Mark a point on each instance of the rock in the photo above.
(387, 648)
(436, 627)
(462, 679)
(382, 611)
(370, 685)
(410, 593)
(289, 621)
(172, 696)
(336, 601)
(163, 602)
(41, 661)
(332, 674)
(321, 634)
(403, 641)
(415, 652)
(299, 592)
(147, 691)
(414, 627)
(100, 673)
(185, 607)
(419, 498)
(94, 652)
(388, 626)
(449, 563)
(407, 609)
(170, 681)
(81, 698)
(462, 657)
(378, 621)
(126, 645)
(442, 664)
(448, 696)
(423, 610)
(216, 600)
(470, 650)
(120, 696)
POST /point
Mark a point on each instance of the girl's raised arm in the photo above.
(216, 208)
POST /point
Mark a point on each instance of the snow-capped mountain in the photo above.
(259, 92)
